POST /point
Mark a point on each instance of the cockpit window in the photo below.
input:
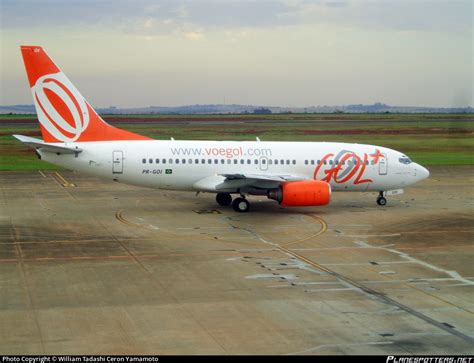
(404, 160)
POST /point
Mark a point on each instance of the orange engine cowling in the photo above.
(302, 193)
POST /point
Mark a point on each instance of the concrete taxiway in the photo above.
(92, 266)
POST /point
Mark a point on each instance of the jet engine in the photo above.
(302, 193)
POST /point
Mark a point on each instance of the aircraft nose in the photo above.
(421, 172)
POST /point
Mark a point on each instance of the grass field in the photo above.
(429, 139)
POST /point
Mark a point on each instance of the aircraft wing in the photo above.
(277, 178)
(40, 144)
(233, 182)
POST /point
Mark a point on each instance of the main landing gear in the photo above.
(240, 205)
(224, 199)
(381, 199)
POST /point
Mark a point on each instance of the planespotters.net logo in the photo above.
(393, 359)
(61, 109)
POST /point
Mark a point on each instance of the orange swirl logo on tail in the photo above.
(62, 111)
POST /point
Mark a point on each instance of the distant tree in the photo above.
(262, 111)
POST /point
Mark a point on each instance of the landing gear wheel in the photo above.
(241, 205)
(224, 199)
(381, 199)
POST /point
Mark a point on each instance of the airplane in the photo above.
(292, 173)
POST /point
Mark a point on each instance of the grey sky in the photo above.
(288, 53)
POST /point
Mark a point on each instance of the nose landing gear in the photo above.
(381, 199)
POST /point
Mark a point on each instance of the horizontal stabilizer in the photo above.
(40, 144)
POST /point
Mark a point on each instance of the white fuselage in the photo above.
(181, 165)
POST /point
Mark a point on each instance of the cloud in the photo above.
(194, 35)
(148, 23)
(276, 52)
(400, 15)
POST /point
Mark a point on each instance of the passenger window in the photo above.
(163, 161)
(288, 162)
(150, 161)
(190, 161)
(157, 161)
(209, 161)
(276, 162)
(235, 161)
(242, 161)
(330, 162)
(255, 162)
(306, 162)
(319, 162)
(294, 162)
(325, 162)
(264, 161)
(249, 161)
(222, 161)
(171, 161)
(229, 161)
(177, 161)
(184, 161)
(270, 162)
(216, 161)
(144, 161)
(196, 161)
(203, 161)
(282, 162)
(312, 162)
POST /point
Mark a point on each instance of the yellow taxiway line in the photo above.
(63, 181)
(324, 227)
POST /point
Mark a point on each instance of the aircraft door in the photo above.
(117, 162)
(383, 165)
(263, 162)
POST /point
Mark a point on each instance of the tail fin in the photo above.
(64, 115)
